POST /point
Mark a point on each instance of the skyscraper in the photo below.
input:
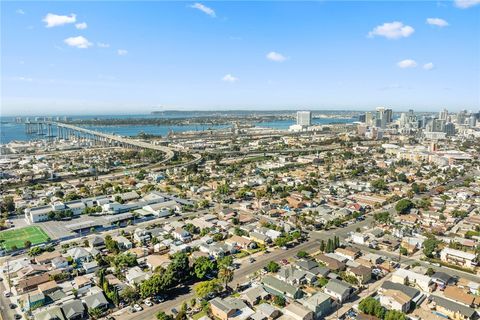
(383, 117)
(443, 115)
(304, 118)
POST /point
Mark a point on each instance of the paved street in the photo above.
(240, 276)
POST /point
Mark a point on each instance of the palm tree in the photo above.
(225, 275)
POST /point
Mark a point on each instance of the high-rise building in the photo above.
(382, 117)
(388, 115)
(368, 119)
(472, 121)
(361, 118)
(450, 129)
(461, 117)
(304, 118)
(443, 115)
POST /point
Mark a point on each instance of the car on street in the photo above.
(7, 294)
(12, 306)
(251, 260)
(17, 317)
(137, 307)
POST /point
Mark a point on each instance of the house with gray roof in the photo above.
(96, 301)
(73, 310)
(278, 287)
(52, 313)
(255, 294)
(320, 303)
(338, 290)
(451, 309)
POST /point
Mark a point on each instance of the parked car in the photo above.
(7, 294)
(252, 260)
(137, 307)
(12, 306)
(17, 317)
(148, 303)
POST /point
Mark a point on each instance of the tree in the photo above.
(382, 217)
(430, 246)
(379, 184)
(302, 254)
(111, 245)
(395, 315)
(281, 241)
(402, 177)
(225, 262)
(403, 251)
(330, 246)
(336, 242)
(404, 206)
(205, 288)
(272, 266)
(163, 316)
(430, 272)
(225, 275)
(179, 267)
(203, 266)
(129, 294)
(27, 244)
(279, 301)
(372, 307)
(322, 246)
(95, 313)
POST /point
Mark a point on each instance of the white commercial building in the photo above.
(304, 118)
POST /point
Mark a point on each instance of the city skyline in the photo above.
(99, 58)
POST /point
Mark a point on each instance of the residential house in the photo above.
(461, 296)
(95, 301)
(338, 290)
(331, 263)
(79, 255)
(182, 235)
(459, 258)
(397, 296)
(278, 287)
(297, 311)
(450, 309)
(408, 277)
(136, 275)
(254, 295)
(350, 253)
(320, 303)
(361, 273)
(52, 313)
(73, 310)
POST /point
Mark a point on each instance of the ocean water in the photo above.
(12, 131)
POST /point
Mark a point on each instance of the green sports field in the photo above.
(17, 237)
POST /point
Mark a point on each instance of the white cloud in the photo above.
(464, 4)
(229, 78)
(275, 56)
(54, 20)
(204, 9)
(23, 79)
(81, 26)
(103, 45)
(428, 66)
(78, 42)
(407, 63)
(437, 22)
(122, 52)
(20, 11)
(392, 30)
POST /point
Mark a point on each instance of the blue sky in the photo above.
(135, 57)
